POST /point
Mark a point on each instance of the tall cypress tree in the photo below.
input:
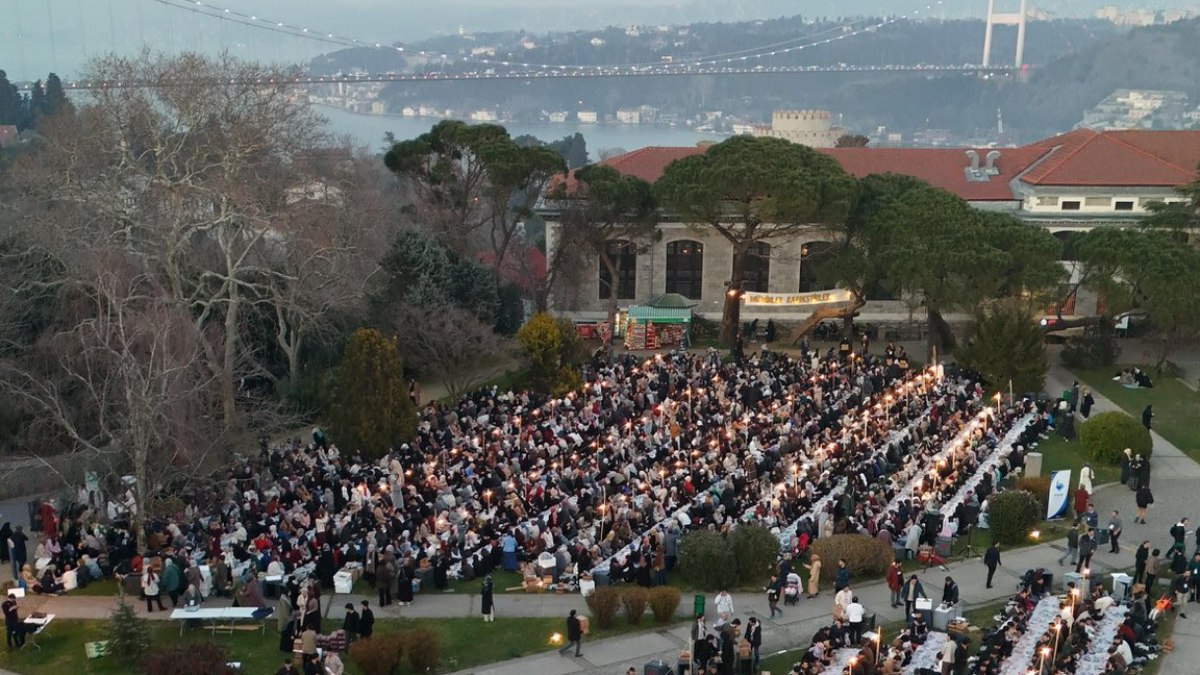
(10, 101)
(37, 102)
(56, 96)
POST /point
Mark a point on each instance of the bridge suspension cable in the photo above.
(847, 30)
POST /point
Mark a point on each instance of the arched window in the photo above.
(811, 255)
(1067, 238)
(624, 256)
(757, 273)
(685, 268)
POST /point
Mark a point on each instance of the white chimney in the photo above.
(974, 157)
(990, 168)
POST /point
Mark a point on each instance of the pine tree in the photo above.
(371, 409)
(56, 97)
(127, 633)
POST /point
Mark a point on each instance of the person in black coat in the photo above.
(991, 558)
(950, 592)
(325, 567)
(487, 602)
(1085, 408)
(404, 576)
(1147, 416)
(350, 623)
(574, 635)
(366, 620)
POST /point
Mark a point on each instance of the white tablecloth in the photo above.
(841, 659)
(1093, 661)
(990, 463)
(904, 493)
(1018, 663)
(926, 656)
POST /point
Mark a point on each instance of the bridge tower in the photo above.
(995, 18)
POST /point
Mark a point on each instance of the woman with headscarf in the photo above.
(404, 588)
(325, 567)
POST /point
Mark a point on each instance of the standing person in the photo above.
(842, 578)
(1114, 532)
(1179, 533)
(991, 558)
(724, 605)
(1087, 546)
(1072, 546)
(385, 580)
(17, 550)
(574, 635)
(1181, 585)
(1126, 463)
(854, 616)
(895, 581)
(1147, 416)
(1152, 571)
(773, 591)
(1085, 408)
(699, 640)
(1144, 499)
(841, 601)
(1139, 561)
(1086, 476)
(487, 601)
(150, 589)
(911, 591)
(508, 545)
(950, 592)
(814, 575)
(1081, 503)
(946, 656)
(754, 637)
(350, 623)
(366, 620)
(14, 632)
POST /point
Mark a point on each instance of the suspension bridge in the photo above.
(466, 67)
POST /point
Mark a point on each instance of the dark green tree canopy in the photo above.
(371, 410)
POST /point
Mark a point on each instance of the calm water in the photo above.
(368, 130)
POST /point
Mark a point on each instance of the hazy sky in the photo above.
(37, 36)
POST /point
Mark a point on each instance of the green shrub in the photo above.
(664, 601)
(379, 655)
(424, 647)
(1106, 435)
(371, 410)
(755, 551)
(1095, 350)
(634, 598)
(1012, 515)
(603, 604)
(127, 634)
(707, 560)
(863, 554)
(199, 658)
(1039, 486)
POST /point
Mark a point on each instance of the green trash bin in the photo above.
(698, 606)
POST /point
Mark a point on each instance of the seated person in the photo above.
(28, 581)
(49, 584)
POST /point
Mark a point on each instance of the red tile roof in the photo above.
(1079, 158)
(1085, 157)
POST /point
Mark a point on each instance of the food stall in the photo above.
(648, 327)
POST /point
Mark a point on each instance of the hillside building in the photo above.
(1067, 184)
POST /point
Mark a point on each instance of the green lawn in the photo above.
(1176, 407)
(466, 642)
(1058, 454)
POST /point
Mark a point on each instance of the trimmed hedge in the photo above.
(634, 599)
(1106, 435)
(1012, 515)
(756, 552)
(707, 560)
(664, 600)
(424, 649)
(604, 603)
(863, 554)
(380, 655)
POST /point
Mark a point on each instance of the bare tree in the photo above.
(133, 392)
(186, 176)
(446, 342)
